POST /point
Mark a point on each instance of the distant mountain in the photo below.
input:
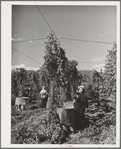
(85, 72)
(88, 72)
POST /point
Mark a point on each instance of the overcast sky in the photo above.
(92, 23)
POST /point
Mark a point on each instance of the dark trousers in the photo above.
(44, 102)
(78, 120)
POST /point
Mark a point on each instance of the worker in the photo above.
(18, 105)
(44, 96)
(80, 105)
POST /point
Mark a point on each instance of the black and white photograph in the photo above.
(63, 74)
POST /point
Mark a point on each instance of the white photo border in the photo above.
(6, 32)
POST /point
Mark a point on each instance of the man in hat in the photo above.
(80, 104)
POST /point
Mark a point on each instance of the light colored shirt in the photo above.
(43, 93)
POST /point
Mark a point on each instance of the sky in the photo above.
(89, 23)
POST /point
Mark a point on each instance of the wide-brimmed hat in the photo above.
(80, 89)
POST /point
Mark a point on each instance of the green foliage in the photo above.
(33, 76)
(58, 66)
(55, 59)
(108, 119)
(98, 125)
(110, 71)
(91, 131)
(73, 74)
(26, 136)
(53, 129)
(52, 47)
(44, 77)
(19, 77)
(22, 79)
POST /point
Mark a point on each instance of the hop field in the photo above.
(37, 126)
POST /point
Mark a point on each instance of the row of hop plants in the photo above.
(110, 73)
(97, 125)
(25, 136)
(52, 131)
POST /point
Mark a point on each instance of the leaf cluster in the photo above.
(110, 71)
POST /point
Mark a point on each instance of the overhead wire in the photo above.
(31, 40)
(102, 60)
(26, 55)
(43, 17)
(86, 40)
(100, 63)
(28, 40)
(39, 63)
(71, 38)
(61, 38)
